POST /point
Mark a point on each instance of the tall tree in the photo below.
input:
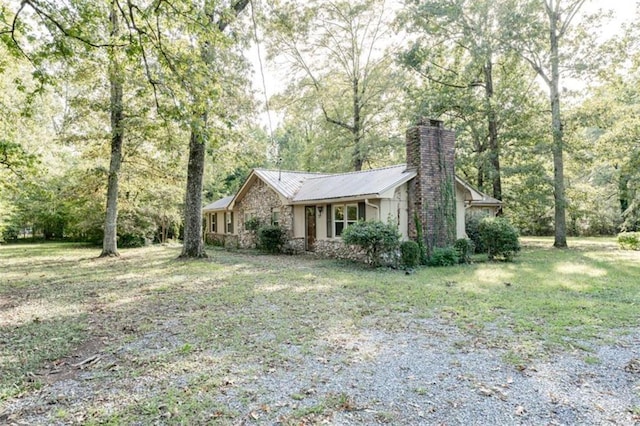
(188, 57)
(537, 32)
(75, 28)
(336, 53)
(458, 50)
(110, 240)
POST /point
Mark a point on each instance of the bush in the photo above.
(629, 240)
(376, 238)
(447, 256)
(472, 223)
(465, 248)
(271, 238)
(252, 224)
(409, 254)
(499, 238)
(131, 241)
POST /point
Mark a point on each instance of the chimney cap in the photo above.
(431, 122)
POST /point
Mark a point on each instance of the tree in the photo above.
(457, 50)
(340, 71)
(537, 31)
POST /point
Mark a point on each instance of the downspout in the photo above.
(367, 203)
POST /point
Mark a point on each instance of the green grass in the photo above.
(58, 298)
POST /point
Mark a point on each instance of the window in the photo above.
(214, 220)
(343, 216)
(275, 217)
(229, 220)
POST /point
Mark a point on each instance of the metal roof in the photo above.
(220, 204)
(368, 182)
(286, 183)
(478, 197)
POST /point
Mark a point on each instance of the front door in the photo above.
(310, 220)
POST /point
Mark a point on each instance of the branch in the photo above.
(64, 30)
(237, 7)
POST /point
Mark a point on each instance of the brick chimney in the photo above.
(432, 199)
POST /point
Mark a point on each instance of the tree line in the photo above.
(120, 119)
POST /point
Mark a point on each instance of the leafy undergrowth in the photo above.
(180, 333)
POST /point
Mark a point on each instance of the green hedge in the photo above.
(629, 240)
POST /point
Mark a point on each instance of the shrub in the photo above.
(465, 248)
(629, 240)
(253, 224)
(131, 241)
(271, 238)
(447, 256)
(499, 238)
(376, 238)
(472, 223)
(409, 254)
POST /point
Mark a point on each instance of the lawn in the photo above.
(148, 338)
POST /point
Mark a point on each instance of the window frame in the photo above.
(344, 210)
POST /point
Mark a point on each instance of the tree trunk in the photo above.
(110, 241)
(357, 126)
(558, 148)
(494, 148)
(193, 246)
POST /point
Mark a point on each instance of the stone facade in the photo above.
(261, 201)
(430, 151)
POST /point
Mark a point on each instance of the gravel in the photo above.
(427, 373)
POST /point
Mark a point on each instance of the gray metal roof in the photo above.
(478, 197)
(285, 182)
(368, 182)
(220, 204)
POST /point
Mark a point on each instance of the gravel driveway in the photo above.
(427, 373)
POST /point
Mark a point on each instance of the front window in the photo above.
(214, 225)
(343, 216)
(229, 221)
(275, 218)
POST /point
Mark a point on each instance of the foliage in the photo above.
(465, 248)
(420, 240)
(252, 224)
(629, 240)
(444, 256)
(472, 228)
(499, 238)
(409, 254)
(339, 105)
(271, 238)
(377, 238)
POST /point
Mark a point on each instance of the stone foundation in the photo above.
(228, 241)
(337, 249)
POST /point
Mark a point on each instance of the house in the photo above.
(314, 208)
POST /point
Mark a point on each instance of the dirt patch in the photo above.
(88, 355)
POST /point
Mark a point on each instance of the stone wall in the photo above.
(337, 249)
(261, 200)
(229, 241)
(430, 151)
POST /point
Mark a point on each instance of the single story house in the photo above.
(314, 208)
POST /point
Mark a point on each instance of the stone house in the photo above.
(314, 208)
